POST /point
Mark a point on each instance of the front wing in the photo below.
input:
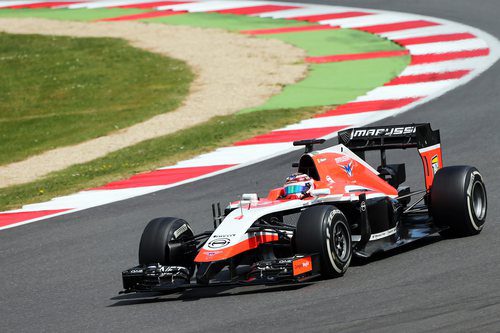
(159, 278)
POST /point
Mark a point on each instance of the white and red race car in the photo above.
(298, 233)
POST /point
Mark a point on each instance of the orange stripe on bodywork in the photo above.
(248, 244)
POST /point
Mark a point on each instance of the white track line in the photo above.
(91, 198)
(343, 120)
(308, 11)
(424, 32)
(233, 155)
(406, 90)
(289, 13)
(104, 4)
(445, 47)
(210, 6)
(368, 20)
(4, 4)
(444, 66)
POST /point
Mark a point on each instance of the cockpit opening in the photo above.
(307, 166)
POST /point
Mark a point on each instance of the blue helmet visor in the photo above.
(294, 189)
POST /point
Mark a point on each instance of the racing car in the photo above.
(334, 208)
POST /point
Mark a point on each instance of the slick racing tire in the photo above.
(163, 242)
(324, 230)
(458, 201)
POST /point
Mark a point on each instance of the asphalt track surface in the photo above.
(63, 274)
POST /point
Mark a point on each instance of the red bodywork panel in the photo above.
(432, 159)
(336, 171)
(243, 246)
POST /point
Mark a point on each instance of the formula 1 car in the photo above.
(353, 210)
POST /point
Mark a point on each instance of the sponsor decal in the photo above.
(183, 228)
(218, 243)
(166, 269)
(348, 168)
(342, 159)
(383, 234)
(321, 160)
(302, 265)
(171, 272)
(135, 271)
(435, 163)
(224, 236)
(389, 131)
(284, 261)
(330, 180)
(212, 253)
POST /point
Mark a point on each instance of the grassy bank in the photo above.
(148, 155)
(58, 91)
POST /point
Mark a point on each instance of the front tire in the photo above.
(162, 243)
(324, 230)
(458, 201)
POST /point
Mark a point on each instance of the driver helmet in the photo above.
(298, 186)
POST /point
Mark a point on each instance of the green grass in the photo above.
(338, 41)
(340, 82)
(225, 21)
(218, 132)
(336, 83)
(69, 14)
(59, 91)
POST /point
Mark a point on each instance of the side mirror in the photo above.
(320, 191)
(252, 197)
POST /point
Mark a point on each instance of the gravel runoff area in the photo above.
(233, 72)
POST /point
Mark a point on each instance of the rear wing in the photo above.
(420, 136)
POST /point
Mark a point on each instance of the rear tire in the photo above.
(458, 201)
(162, 243)
(324, 230)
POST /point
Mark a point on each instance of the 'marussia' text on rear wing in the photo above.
(420, 136)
